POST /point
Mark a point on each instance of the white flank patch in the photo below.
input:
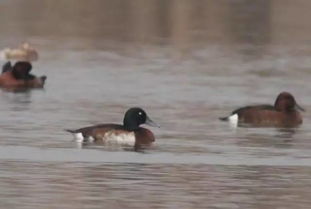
(233, 120)
(90, 139)
(112, 138)
(78, 137)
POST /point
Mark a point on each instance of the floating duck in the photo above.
(23, 53)
(19, 76)
(127, 134)
(284, 113)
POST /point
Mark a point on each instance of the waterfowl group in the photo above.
(19, 76)
(284, 112)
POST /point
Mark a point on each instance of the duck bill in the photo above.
(151, 123)
(298, 107)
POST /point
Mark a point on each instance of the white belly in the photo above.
(112, 138)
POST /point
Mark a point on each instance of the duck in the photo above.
(25, 52)
(284, 113)
(127, 134)
(19, 76)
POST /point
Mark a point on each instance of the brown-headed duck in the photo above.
(284, 113)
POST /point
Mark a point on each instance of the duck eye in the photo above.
(140, 113)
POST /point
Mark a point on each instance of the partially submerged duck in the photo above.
(128, 134)
(284, 113)
(19, 76)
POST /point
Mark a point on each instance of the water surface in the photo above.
(186, 63)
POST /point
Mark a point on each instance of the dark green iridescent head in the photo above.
(136, 116)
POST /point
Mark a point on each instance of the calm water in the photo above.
(186, 63)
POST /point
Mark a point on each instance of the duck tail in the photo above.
(224, 118)
(70, 131)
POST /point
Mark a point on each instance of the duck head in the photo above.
(285, 102)
(136, 116)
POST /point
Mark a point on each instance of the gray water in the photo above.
(186, 63)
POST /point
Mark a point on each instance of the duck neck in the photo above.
(130, 126)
